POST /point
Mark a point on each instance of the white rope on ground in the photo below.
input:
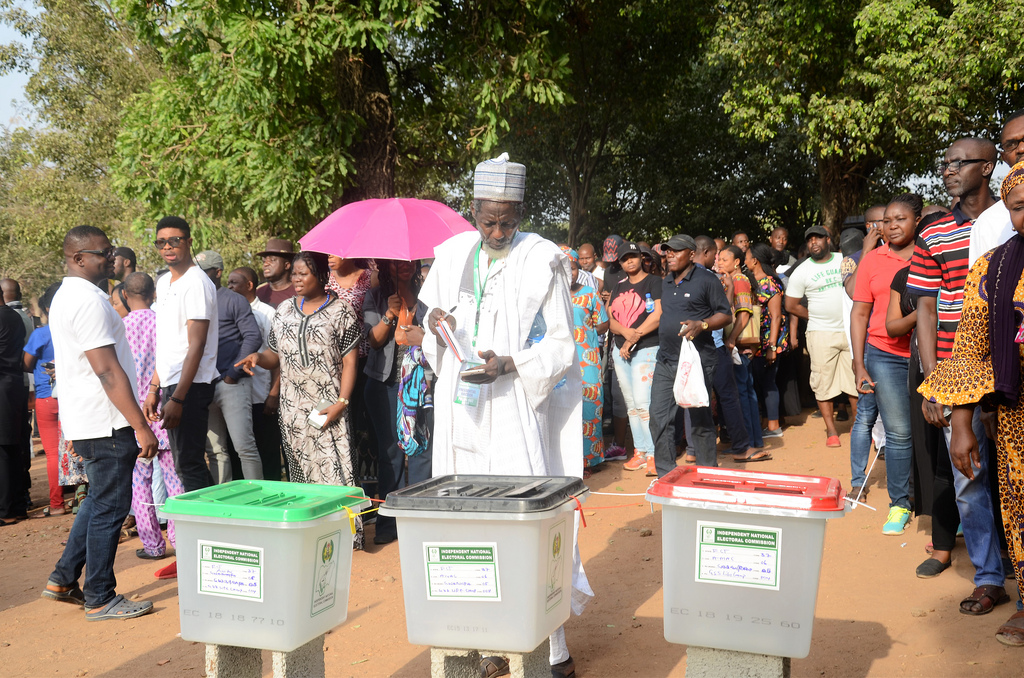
(620, 494)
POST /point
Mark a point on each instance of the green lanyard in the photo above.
(478, 288)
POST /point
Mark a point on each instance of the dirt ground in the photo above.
(873, 616)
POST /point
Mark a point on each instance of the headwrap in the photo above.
(499, 180)
(570, 252)
(1004, 272)
(1012, 180)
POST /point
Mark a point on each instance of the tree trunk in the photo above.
(581, 163)
(363, 88)
(843, 186)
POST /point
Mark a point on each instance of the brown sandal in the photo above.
(983, 600)
(492, 667)
(1012, 632)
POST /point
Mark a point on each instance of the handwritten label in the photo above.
(738, 555)
(325, 572)
(462, 571)
(231, 570)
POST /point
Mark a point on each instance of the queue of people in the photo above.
(213, 383)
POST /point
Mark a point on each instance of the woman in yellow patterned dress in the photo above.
(985, 368)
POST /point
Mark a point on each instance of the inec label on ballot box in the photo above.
(738, 555)
(462, 571)
(231, 570)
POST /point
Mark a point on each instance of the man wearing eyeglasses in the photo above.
(186, 353)
(993, 227)
(100, 414)
(938, 271)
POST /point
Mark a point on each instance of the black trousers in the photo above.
(663, 417)
(188, 438)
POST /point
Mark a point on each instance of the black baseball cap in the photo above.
(680, 242)
(818, 231)
(627, 248)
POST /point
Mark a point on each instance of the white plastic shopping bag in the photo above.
(689, 389)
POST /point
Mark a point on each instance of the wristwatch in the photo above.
(703, 326)
(388, 321)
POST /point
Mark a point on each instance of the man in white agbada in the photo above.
(520, 411)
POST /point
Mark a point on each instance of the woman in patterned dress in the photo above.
(774, 332)
(985, 368)
(591, 320)
(351, 280)
(313, 339)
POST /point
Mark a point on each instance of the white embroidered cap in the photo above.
(500, 180)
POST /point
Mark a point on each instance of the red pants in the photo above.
(46, 415)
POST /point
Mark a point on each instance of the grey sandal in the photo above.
(119, 608)
(64, 594)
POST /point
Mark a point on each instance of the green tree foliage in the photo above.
(280, 112)
(84, 64)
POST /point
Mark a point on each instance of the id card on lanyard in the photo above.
(468, 394)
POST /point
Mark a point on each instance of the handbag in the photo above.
(751, 334)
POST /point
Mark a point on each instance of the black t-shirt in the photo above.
(628, 305)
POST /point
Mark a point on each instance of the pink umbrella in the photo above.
(392, 228)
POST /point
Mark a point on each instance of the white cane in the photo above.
(867, 476)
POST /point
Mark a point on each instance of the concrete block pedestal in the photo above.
(707, 662)
(456, 663)
(306, 661)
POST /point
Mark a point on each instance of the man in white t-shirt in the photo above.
(100, 415)
(266, 384)
(820, 279)
(992, 228)
(186, 353)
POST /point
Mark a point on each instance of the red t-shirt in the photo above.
(874, 277)
(269, 295)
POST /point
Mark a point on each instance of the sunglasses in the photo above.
(107, 253)
(174, 241)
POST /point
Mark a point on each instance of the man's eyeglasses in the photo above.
(107, 253)
(174, 241)
(955, 165)
(1010, 145)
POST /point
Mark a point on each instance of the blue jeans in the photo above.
(635, 379)
(892, 401)
(764, 378)
(976, 513)
(748, 400)
(729, 400)
(92, 543)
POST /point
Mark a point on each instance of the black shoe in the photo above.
(566, 669)
(842, 415)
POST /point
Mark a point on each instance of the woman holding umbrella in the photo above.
(313, 338)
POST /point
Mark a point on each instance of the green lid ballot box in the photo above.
(263, 564)
(486, 560)
(741, 556)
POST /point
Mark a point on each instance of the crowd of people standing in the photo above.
(217, 378)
